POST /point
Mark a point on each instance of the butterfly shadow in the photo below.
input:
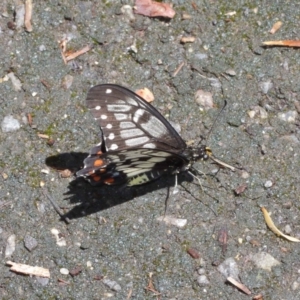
(89, 199)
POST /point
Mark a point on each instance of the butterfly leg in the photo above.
(176, 190)
(194, 176)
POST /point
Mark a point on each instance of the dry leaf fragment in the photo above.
(178, 69)
(29, 119)
(28, 270)
(77, 270)
(77, 53)
(230, 13)
(258, 297)
(193, 253)
(28, 14)
(275, 27)
(223, 238)
(146, 94)
(186, 16)
(43, 136)
(187, 39)
(272, 226)
(239, 285)
(46, 84)
(151, 287)
(62, 282)
(240, 189)
(286, 43)
(151, 8)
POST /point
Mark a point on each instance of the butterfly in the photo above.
(138, 144)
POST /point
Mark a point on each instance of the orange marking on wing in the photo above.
(99, 152)
(109, 181)
(98, 163)
(96, 178)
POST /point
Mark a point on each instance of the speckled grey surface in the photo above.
(116, 233)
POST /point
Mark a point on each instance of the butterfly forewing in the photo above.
(128, 121)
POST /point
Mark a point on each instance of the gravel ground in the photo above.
(114, 239)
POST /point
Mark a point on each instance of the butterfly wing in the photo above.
(131, 166)
(138, 144)
(128, 121)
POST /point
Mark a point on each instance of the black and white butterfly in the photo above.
(138, 144)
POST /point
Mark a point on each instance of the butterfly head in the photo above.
(201, 153)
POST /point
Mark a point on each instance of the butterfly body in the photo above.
(138, 144)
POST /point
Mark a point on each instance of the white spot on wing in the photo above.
(108, 91)
(114, 147)
(149, 145)
(131, 101)
(120, 101)
(120, 117)
(98, 107)
(118, 107)
(111, 136)
(145, 165)
(163, 154)
(138, 114)
(103, 117)
(124, 125)
(128, 133)
(156, 159)
(135, 171)
(109, 126)
(136, 141)
(155, 127)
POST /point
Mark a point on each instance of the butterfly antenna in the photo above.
(221, 163)
(217, 117)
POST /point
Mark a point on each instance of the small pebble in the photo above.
(173, 221)
(264, 260)
(9, 124)
(295, 285)
(201, 271)
(266, 86)
(287, 229)
(289, 116)
(30, 243)
(114, 286)
(128, 13)
(15, 81)
(228, 268)
(202, 280)
(204, 99)
(42, 48)
(43, 281)
(64, 271)
(230, 72)
(10, 246)
(268, 184)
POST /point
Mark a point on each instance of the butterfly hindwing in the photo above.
(133, 166)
